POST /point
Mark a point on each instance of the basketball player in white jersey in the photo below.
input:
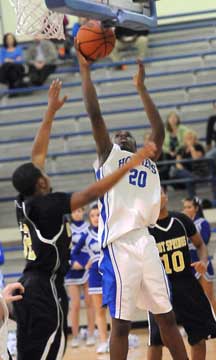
(131, 268)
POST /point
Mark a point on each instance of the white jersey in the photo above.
(3, 331)
(133, 203)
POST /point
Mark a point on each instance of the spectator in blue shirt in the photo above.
(77, 25)
(1, 263)
(193, 209)
(11, 62)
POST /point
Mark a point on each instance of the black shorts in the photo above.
(193, 311)
(41, 318)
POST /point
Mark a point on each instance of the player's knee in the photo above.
(120, 328)
(166, 320)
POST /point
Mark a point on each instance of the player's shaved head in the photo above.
(25, 179)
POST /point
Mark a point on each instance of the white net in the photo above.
(35, 19)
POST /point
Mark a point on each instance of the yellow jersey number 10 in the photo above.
(175, 264)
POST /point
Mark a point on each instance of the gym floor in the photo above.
(84, 353)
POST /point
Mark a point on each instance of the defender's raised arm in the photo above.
(41, 142)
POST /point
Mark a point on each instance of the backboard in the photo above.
(134, 14)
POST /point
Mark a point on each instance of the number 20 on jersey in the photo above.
(138, 178)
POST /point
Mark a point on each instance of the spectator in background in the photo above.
(11, 61)
(91, 242)
(191, 150)
(41, 57)
(126, 39)
(193, 209)
(77, 25)
(174, 134)
(211, 132)
(77, 280)
(211, 137)
(2, 260)
(64, 46)
(211, 150)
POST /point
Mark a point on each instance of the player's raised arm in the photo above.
(156, 122)
(100, 132)
(99, 188)
(41, 142)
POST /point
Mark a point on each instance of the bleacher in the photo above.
(181, 75)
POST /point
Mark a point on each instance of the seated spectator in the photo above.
(211, 150)
(41, 57)
(174, 134)
(2, 260)
(64, 45)
(211, 132)
(77, 25)
(193, 150)
(126, 38)
(11, 63)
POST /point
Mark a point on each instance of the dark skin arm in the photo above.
(158, 133)
(98, 189)
(100, 132)
(41, 142)
(101, 135)
(200, 266)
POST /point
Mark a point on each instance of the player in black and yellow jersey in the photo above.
(191, 306)
(41, 314)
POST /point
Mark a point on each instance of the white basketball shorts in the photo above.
(133, 276)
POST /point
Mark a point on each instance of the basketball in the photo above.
(95, 41)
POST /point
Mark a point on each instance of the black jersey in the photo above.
(171, 235)
(46, 233)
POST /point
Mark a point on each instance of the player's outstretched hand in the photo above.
(147, 152)
(139, 78)
(13, 292)
(54, 101)
(81, 59)
(200, 267)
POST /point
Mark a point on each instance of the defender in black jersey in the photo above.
(190, 304)
(41, 315)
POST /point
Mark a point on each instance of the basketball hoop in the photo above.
(132, 14)
(44, 18)
(35, 19)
